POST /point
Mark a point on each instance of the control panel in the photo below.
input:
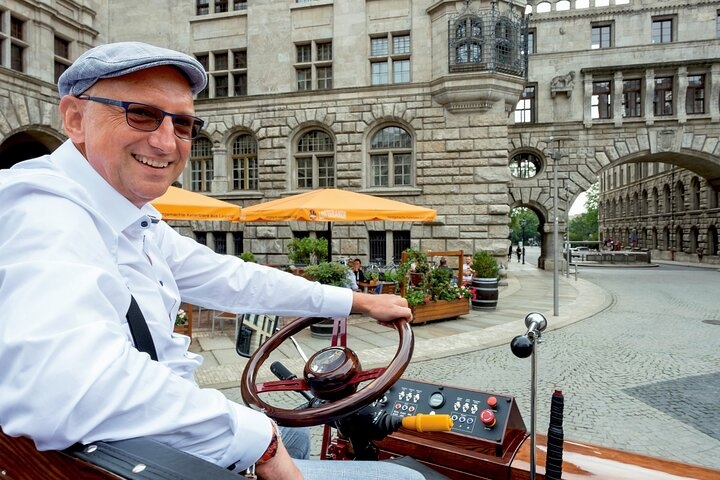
(481, 415)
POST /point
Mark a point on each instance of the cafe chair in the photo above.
(222, 317)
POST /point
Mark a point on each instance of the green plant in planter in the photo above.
(247, 256)
(329, 273)
(485, 265)
(307, 250)
(439, 281)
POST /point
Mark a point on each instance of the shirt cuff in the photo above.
(337, 301)
(252, 434)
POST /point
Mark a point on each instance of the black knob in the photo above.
(521, 346)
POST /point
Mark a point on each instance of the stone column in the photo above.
(220, 181)
(617, 99)
(679, 100)
(649, 95)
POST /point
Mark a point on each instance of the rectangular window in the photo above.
(304, 78)
(221, 85)
(204, 60)
(324, 51)
(530, 41)
(201, 237)
(326, 172)
(695, 99)
(238, 246)
(240, 84)
(239, 5)
(402, 163)
(202, 7)
(304, 172)
(601, 36)
(16, 28)
(324, 78)
(401, 44)
(221, 60)
(525, 109)
(717, 26)
(378, 46)
(221, 6)
(663, 97)
(401, 71)
(632, 98)
(401, 242)
(62, 56)
(378, 247)
(662, 30)
(379, 73)
(239, 59)
(601, 100)
(220, 243)
(379, 167)
(17, 62)
(304, 53)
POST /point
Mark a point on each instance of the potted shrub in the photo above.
(485, 282)
(307, 250)
(247, 256)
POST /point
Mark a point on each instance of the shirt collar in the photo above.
(117, 210)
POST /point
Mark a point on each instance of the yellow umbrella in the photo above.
(333, 205)
(181, 204)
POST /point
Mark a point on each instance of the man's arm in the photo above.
(384, 308)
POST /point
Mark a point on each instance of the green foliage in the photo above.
(485, 265)
(584, 227)
(329, 273)
(531, 225)
(414, 257)
(307, 250)
(436, 284)
(247, 256)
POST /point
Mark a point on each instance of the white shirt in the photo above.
(72, 250)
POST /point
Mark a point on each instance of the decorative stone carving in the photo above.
(563, 83)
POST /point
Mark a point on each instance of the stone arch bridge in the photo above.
(586, 152)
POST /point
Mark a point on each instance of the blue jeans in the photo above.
(297, 443)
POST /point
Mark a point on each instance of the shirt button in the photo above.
(144, 224)
(162, 284)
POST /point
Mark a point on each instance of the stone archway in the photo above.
(26, 144)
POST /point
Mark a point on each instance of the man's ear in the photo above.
(72, 111)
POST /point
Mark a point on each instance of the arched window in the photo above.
(666, 239)
(656, 201)
(666, 198)
(244, 163)
(679, 197)
(315, 161)
(694, 239)
(201, 165)
(712, 196)
(695, 195)
(525, 165)
(391, 158)
(679, 244)
(644, 203)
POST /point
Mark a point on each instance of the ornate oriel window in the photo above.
(391, 158)
(201, 165)
(525, 165)
(244, 163)
(315, 161)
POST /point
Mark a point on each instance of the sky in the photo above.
(579, 206)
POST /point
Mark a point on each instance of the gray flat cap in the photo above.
(117, 59)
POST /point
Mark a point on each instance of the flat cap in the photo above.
(117, 59)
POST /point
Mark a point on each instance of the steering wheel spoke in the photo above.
(367, 375)
(296, 385)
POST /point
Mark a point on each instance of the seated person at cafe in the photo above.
(357, 270)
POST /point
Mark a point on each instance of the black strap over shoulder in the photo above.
(139, 330)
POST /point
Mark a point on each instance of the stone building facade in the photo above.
(411, 99)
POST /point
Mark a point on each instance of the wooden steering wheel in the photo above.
(331, 374)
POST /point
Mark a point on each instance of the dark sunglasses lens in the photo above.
(187, 126)
(144, 117)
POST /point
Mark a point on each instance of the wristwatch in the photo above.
(272, 448)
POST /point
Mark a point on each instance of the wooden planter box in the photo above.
(440, 310)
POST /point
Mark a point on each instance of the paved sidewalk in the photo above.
(527, 289)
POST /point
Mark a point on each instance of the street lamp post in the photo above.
(522, 226)
(556, 156)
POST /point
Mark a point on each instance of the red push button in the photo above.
(492, 402)
(488, 418)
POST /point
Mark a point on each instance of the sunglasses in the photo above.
(148, 118)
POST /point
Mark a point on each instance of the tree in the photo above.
(584, 227)
(531, 225)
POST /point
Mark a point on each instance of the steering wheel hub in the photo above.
(329, 371)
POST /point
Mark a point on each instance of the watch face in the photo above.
(328, 360)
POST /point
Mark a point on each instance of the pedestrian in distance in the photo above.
(518, 252)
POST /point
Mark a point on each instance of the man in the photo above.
(79, 238)
(358, 271)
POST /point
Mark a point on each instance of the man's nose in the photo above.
(164, 137)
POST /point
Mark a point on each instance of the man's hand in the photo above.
(280, 467)
(383, 308)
